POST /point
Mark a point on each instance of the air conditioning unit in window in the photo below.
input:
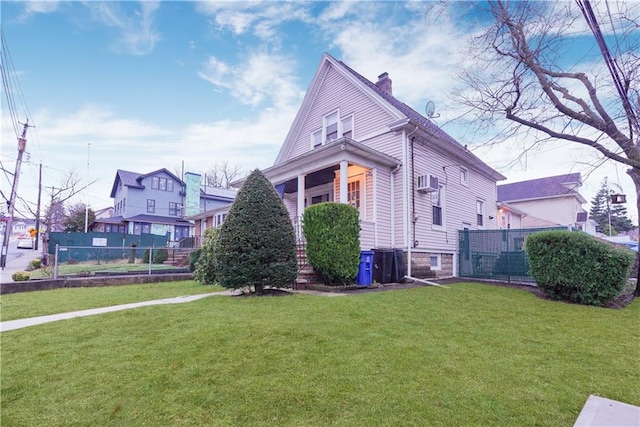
(427, 183)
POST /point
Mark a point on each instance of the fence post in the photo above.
(55, 263)
(508, 256)
(150, 258)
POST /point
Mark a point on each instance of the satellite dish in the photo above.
(430, 109)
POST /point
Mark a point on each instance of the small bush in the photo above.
(36, 263)
(205, 266)
(576, 267)
(160, 256)
(332, 231)
(72, 261)
(193, 259)
(20, 276)
(145, 257)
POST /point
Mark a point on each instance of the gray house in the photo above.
(157, 203)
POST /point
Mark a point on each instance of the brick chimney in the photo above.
(384, 83)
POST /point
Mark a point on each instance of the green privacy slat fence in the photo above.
(101, 240)
(496, 254)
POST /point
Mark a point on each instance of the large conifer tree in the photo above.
(601, 206)
(256, 244)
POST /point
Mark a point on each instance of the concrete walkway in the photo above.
(11, 325)
(18, 264)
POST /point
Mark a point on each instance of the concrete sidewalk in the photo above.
(21, 263)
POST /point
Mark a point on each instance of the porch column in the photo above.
(344, 166)
(301, 179)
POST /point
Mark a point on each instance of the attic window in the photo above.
(333, 127)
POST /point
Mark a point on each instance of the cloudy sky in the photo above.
(145, 85)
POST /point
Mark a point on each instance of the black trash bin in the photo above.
(382, 265)
(397, 271)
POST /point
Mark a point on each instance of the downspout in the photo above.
(411, 171)
(393, 198)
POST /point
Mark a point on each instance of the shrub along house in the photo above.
(415, 186)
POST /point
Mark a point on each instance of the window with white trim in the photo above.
(464, 176)
(437, 204)
(163, 184)
(333, 127)
(151, 206)
(435, 261)
(480, 212)
(353, 194)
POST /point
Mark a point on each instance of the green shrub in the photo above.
(332, 231)
(20, 276)
(160, 255)
(256, 245)
(193, 258)
(36, 263)
(145, 256)
(205, 264)
(576, 267)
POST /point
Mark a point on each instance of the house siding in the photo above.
(557, 210)
(369, 116)
(137, 199)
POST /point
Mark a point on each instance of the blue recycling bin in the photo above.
(365, 269)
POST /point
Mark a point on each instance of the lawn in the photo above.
(32, 304)
(89, 267)
(467, 355)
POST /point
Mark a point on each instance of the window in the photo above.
(163, 184)
(464, 176)
(347, 127)
(316, 138)
(333, 127)
(480, 212)
(151, 206)
(173, 208)
(437, 206)
(434, 262)
(353, 194)
(146, 228)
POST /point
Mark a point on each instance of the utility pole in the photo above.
(22, 144)
(38, 207)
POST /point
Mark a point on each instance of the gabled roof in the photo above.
(134, 179)
(406, 116)
(542, 188)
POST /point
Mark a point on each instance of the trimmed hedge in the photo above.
(20, 276)
(578, 268)
(332, 231)
(256, 245)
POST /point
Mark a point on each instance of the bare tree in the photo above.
(69, 186)
(221, 175)
(521, 71)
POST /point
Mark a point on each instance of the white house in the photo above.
(415, 186)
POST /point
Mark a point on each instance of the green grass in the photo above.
(32, 304)
(92, 267)
(469, 355)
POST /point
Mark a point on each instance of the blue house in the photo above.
(157, 203)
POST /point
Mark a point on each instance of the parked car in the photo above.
(25, 243)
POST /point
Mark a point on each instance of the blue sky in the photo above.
(145, 85)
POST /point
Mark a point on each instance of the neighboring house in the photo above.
(149, 203)
(158, 203)
(509, 216)
(415, 186)
(104, 212)
(549, 201)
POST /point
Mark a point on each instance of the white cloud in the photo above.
(263, 79)
(45, 6)
(137, 33)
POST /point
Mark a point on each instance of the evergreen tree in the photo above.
(256, 245)
(75, 219)
(601, 207)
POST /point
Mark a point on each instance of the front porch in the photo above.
(343, 171)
